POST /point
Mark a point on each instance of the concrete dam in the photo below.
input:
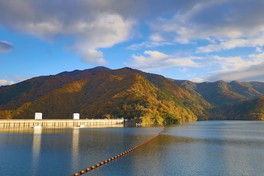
(61, 123)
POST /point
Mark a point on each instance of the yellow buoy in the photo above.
(113, 158)
(82, 172)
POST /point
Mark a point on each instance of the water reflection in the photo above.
(202, 148)
(207, 148)
(215, 148)
(187, 156)
(36, 148)
(75, 147)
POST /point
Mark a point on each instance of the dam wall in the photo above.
(61, 123)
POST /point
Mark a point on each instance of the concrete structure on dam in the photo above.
(39, 122)
(61, 123)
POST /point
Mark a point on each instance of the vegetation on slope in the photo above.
(128, 93)
(247, 110)
(104, 93)
(233, 101)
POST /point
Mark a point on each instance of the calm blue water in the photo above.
(200, 148)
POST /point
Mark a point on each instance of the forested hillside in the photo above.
(102, 93)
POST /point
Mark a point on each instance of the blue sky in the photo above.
(198, 40)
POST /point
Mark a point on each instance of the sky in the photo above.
(197, 40)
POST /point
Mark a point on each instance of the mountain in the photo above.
(246, 110)
(102, 93)
(221, 93)
(234, 100)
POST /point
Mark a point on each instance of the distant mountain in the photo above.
(246, 110)
(102, 93)
(234, 100)
(222, 93)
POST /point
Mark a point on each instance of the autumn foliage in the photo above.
(102, 93)
(130, 94)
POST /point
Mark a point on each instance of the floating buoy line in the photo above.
(93, 167)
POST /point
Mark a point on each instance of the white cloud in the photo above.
(231, 24)
(156, 38)
(148, 44)
(248, 68)
(5, 46)
(236, 68)
(85, 23)
(257, 56)
(259, 49)
(156, 55)
(252, 73)
(91, 55)
(4, 82)
(20, 79)
(231, 44)
(95, 25)
(155, 60)
(43, 29)
(12, 80)
(106, 31)
(198, 80)
(153, 41)
(227, 64)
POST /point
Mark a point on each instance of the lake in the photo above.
(198, 148)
